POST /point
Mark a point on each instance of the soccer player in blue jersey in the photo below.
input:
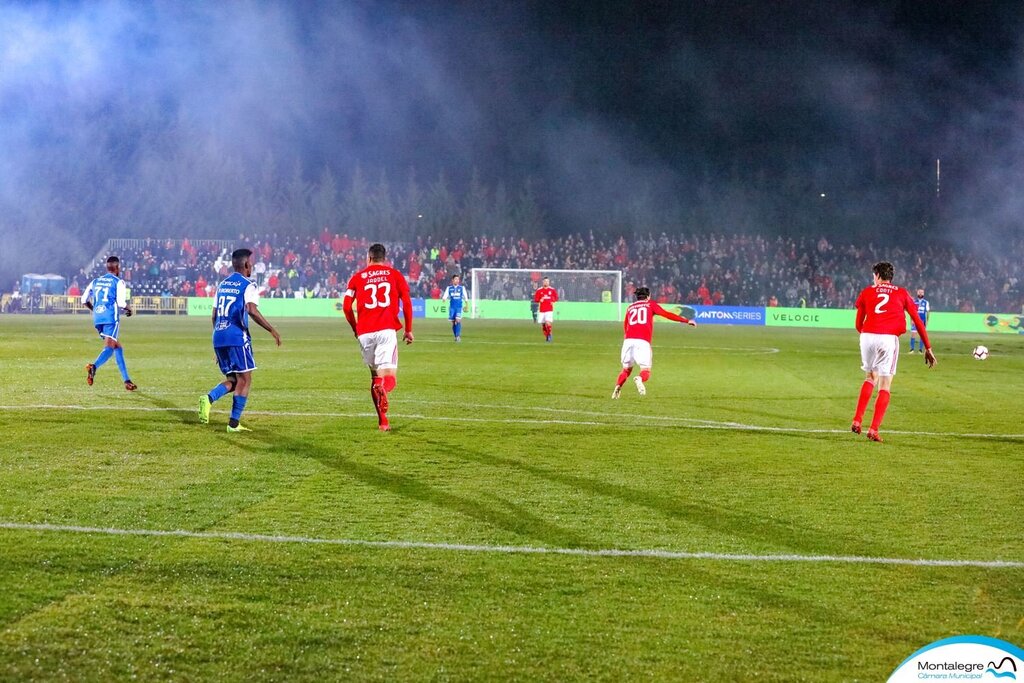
(923, 309)
(236, 300)
(106, 297)
(456, 295)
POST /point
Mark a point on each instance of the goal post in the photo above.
(582, 294)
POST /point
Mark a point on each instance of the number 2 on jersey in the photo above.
(638, 316)
(883, 299)
(384, 289)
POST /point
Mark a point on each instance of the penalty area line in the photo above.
(510, 549)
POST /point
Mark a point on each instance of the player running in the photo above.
(638, 326)
(235, 300)
(106, 297)
(456, 295)
(371, 308)
(546, 297)
(881, 319)
(923, 309)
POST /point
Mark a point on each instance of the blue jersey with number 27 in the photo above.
(231, 326)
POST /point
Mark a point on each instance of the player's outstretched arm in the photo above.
(254, 311)
(669, 315)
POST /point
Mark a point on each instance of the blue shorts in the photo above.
(108, 330)
(454, 313)
(235, 359)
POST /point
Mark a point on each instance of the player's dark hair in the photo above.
(642, 293)
(238, 257)
(377, 252)
(884, 271)
(455, 276)
(111, 260)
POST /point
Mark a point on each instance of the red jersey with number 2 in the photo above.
(377, 289)
(639, 321)
(883, 309)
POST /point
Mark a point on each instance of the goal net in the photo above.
(573, 286)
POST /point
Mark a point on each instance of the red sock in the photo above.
(645, 375)
(881, 403)
(389, 383)
(866, 390)
(623, 376)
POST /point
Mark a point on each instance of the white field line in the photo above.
(510, 549)
(665, 422)
(740, 350)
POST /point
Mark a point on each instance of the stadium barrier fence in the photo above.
(62, 303)
(938, 321)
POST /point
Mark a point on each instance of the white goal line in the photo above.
(510, 549)
(664, 422)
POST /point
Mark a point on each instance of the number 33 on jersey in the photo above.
(377, 290)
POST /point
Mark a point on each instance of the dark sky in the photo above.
(738, 105)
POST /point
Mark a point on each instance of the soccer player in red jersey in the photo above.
(881, 319)
(638, 327)
(545, 297)
(371, 308)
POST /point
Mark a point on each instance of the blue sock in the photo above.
(217, 392)
(458, 329)
(237, 406)
(104, 356)
(912, 340)
(119, 357)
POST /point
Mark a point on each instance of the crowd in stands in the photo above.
(696, 269)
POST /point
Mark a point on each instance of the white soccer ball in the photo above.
(980, 352)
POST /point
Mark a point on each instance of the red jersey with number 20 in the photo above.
(376, 291)
(545, 298)
(639, 321)
(883, 309)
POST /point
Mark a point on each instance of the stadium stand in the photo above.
(696, 269)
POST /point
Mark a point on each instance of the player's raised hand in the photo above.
(929, 358)
(407, 337)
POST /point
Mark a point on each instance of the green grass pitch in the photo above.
(501, 443)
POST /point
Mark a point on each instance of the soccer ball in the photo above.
(980, 352)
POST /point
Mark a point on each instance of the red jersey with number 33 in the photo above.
(883, 309)
(376, 290)
(639, 321)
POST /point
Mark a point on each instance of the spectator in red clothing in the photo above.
(73, 290)
(272, 281)
(435, 292)
(201, 286)
(325, 237)
(773, 301)
(703, 294)
(337, 245)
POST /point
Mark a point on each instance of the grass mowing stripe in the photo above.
(515, 550)
(670, 422)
